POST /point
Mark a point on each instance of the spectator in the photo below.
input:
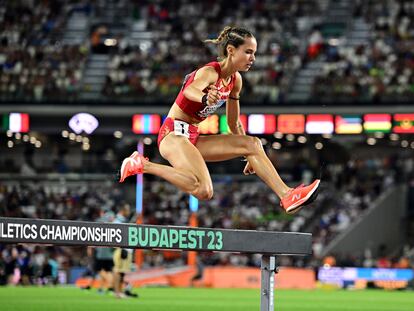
(122, 258)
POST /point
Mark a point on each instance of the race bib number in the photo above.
(181, 128)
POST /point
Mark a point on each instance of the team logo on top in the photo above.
(208, 110)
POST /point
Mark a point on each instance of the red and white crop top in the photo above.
(197, 109)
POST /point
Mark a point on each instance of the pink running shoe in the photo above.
(300, 196)
(132, 165)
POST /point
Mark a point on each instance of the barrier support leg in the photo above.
(268, 270)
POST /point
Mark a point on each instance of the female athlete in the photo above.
(203, 92)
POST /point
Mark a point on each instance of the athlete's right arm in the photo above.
(205, 77)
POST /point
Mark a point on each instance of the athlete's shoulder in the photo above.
(238, 79)
(238, 76)
(215, 65)
(207, 72)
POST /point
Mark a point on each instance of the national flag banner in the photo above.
(262, 124)
(17, 122)
(348, 124)
(224, 128)
(210, 125)
(146, 123)
(319, 124)
(379, 122)
(403, 123)
(291, 123)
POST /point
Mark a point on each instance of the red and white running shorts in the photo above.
(179, 128)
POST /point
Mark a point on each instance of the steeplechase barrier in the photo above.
(79, 233)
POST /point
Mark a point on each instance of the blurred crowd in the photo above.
(179, 29)
(34, 64)
(378, 69)
(32, 265)
(59, 201)
(357, 185)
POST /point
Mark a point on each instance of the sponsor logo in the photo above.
(296, 197)
(208, 110)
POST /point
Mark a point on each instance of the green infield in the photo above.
(183, 299)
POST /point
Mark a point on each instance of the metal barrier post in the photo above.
(268, 270)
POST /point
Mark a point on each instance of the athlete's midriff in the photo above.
(177, 113)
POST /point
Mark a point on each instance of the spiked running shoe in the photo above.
(300, 196)
(132, 165)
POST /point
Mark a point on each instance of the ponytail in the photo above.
(230, 35)
(221, 36)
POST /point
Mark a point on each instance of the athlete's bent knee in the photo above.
(254, 145)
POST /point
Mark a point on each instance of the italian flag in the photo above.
(17, 122)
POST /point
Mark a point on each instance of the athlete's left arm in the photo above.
(233, 116)
(233, 108)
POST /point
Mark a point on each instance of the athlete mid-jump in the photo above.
(203, 92)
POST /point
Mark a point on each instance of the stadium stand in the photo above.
(379, 68)
(35, 63)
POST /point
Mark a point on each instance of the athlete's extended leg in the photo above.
(188, 171)
(225, 147)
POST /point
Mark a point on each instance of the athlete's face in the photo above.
(243, 57)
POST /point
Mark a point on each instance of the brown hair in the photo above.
(230, 35)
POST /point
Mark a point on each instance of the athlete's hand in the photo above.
(213, 95)
(248, 169)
